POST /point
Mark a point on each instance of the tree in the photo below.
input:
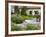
(23, 11)
(38, 17)
(17, 10)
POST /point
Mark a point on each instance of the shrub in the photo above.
(15, 27)
(26, 17)
(13, 19)
(23, 11)
(17, 20)
(32, 27)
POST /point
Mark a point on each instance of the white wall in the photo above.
(2, 20)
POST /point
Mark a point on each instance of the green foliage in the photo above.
(26, 17)
(32, 27)
(15, 27)
(16, 10)
(37, 16)
(20, 19)
(13, 19)
(23, 12)
(17, 20)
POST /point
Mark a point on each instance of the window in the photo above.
(36, 12)
(30, 12)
